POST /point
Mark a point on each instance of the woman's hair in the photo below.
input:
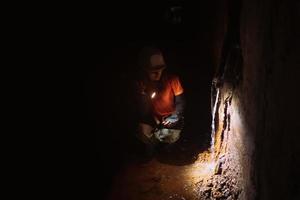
(145, 55)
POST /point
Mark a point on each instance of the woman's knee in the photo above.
(145, 133)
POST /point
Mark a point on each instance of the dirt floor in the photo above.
(169, 175)
(157, 180)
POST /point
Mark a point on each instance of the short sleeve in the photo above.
(176, 86)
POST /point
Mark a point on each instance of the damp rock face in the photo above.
(228, 150)
(258, 130)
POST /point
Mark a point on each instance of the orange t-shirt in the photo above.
(163, 102)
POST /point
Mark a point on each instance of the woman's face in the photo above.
(155, 75)
(156, 60)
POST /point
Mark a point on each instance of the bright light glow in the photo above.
(213, 124)
(153, 95)
(200, 170)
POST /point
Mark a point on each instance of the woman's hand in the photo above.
(171, 120)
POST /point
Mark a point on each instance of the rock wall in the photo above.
(256, 123)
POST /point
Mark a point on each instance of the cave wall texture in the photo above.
(263, 131)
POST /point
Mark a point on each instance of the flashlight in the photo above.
(153, 95)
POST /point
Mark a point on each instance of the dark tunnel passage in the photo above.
(249, 151)
(184, 56)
